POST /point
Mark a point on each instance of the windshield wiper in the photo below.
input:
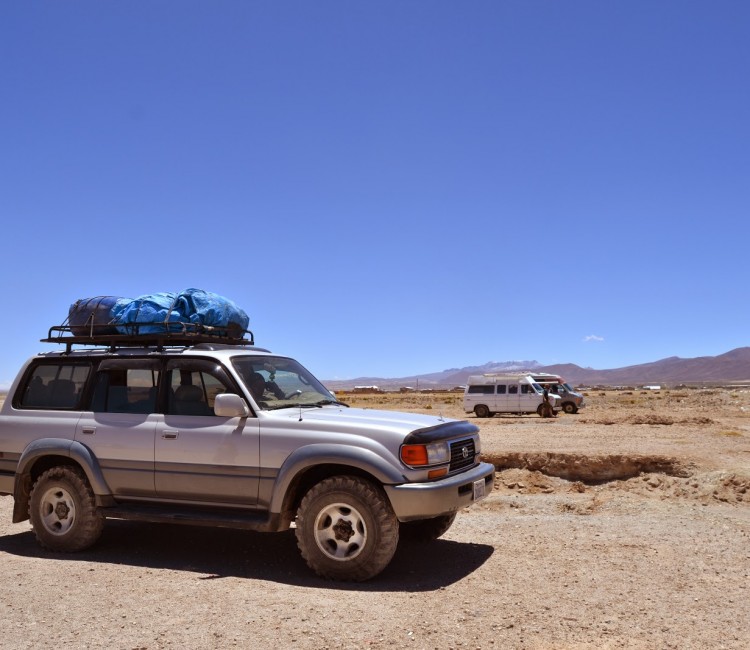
(307, 405)
(326, 402)
(294, 405)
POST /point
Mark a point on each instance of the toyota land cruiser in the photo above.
(203, 429)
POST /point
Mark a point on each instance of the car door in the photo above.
(199, 456)
(500, 398)
(529, 399)
(120, 423)
(513, 402)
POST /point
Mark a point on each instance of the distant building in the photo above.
(367, 389)
(652, 388)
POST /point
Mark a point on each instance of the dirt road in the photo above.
(654, 554)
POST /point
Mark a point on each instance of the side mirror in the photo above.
(229, 405)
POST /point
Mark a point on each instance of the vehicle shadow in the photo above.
(220, 552)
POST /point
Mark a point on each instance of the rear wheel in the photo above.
(427, 530)
(63, 511)
(481, 411)
(346, 529)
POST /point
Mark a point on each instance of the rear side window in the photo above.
(54, 386)
(501, 389)
(126, 386)
(482, 390)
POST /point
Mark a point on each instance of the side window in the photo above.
(54, 386)
(126, 386)
(513, 389)
(526, 389)
(501, 389)
(481, 390)
(192, 386)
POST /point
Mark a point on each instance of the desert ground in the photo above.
(626, 525)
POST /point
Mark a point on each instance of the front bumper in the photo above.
(411, 501)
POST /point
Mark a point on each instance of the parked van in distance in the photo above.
(571, 401)
(488, 394)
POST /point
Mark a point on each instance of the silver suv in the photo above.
(191, 429)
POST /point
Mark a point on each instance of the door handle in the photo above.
(169, 434)
(89, 430)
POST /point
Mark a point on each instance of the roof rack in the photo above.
(145, 335)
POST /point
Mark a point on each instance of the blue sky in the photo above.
(387, 188)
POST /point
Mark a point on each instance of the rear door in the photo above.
(120, 422)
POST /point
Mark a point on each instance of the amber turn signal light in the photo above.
(414, 455)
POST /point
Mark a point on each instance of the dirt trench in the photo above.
(655, 476)
(589, 468)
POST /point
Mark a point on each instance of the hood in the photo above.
(370, 421)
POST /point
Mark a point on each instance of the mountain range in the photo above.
(730, 367)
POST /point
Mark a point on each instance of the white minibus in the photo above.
(488, 394)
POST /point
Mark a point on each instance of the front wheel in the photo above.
(62, 510)
(569, 407)
(427, 530)
(346, 529)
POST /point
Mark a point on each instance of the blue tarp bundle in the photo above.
(157, 313)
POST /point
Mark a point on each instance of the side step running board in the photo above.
(222, 518)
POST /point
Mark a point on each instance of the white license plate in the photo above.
(479, 489)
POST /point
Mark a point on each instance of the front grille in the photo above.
(462, 454)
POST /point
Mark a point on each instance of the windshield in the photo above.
(569, 388)
(280, 382)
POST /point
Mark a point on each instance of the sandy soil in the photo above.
(624, 526)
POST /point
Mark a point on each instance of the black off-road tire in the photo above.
(570, 407)
(346, 529)
(427, 530)
(481, 411)
(540, 410)
(62, 510)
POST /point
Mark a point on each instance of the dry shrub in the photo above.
(650, 419)
(697, 420)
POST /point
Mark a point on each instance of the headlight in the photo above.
(434, 453)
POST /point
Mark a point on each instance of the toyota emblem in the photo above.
(465, 452)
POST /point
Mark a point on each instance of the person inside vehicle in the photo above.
(262, 389)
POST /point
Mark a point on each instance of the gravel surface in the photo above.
(654, 553)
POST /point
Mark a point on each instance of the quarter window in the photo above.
(54, 386)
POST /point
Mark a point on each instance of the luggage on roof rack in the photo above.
(185, 318)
